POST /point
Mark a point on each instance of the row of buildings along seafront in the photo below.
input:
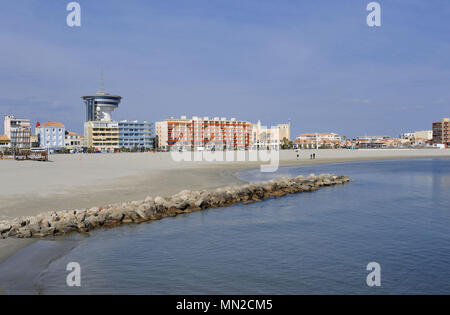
(101, 133)
(218, 133)
(53, 136)
(329, 140)
(198, 133)
(50, 135)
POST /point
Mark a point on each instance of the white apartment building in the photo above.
(263, 137)
(424, 134)
(18, 131)
(73, 140)
(320, 136)
(51, 135)
(317, 140)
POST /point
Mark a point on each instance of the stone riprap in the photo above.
(56, 223)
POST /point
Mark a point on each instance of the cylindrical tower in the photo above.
(100, 106)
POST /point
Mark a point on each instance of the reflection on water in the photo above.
(445, 181)
(395, 213)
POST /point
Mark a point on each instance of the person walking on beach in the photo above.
(314, 156)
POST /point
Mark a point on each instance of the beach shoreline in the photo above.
(92, 180)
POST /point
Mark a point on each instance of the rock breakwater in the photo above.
(56, 223)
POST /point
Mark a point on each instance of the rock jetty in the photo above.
(56, 223)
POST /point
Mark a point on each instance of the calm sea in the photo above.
(396, 213)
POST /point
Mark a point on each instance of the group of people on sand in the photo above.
(311, 156)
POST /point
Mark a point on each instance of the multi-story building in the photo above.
(263, 138)
(135, 134)
(376, 142)
(100, 106)
(416, 139)
(100, 132)
(73, 140)
(102, 135)
(317, 140)
(441, 132)
(18, 131)
(51, 135)
(34, 139)
(203, 133)
(317, 136)
(284, 131)
(407, 135)
(424, 134)
(5, 143)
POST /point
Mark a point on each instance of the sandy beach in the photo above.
(81, 181)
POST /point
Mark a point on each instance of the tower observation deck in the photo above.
(100, 106)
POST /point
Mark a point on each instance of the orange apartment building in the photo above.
(202, 133)
(441, 132)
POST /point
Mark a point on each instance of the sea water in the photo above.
(396, 213)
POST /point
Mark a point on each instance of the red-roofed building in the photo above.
(74, 140)
(53, 124)
(51, 135)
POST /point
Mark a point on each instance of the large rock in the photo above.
(115, 215)
(46, 231)
(5, 228)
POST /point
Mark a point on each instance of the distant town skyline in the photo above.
(316, 64)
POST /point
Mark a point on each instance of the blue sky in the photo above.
(316, 63)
